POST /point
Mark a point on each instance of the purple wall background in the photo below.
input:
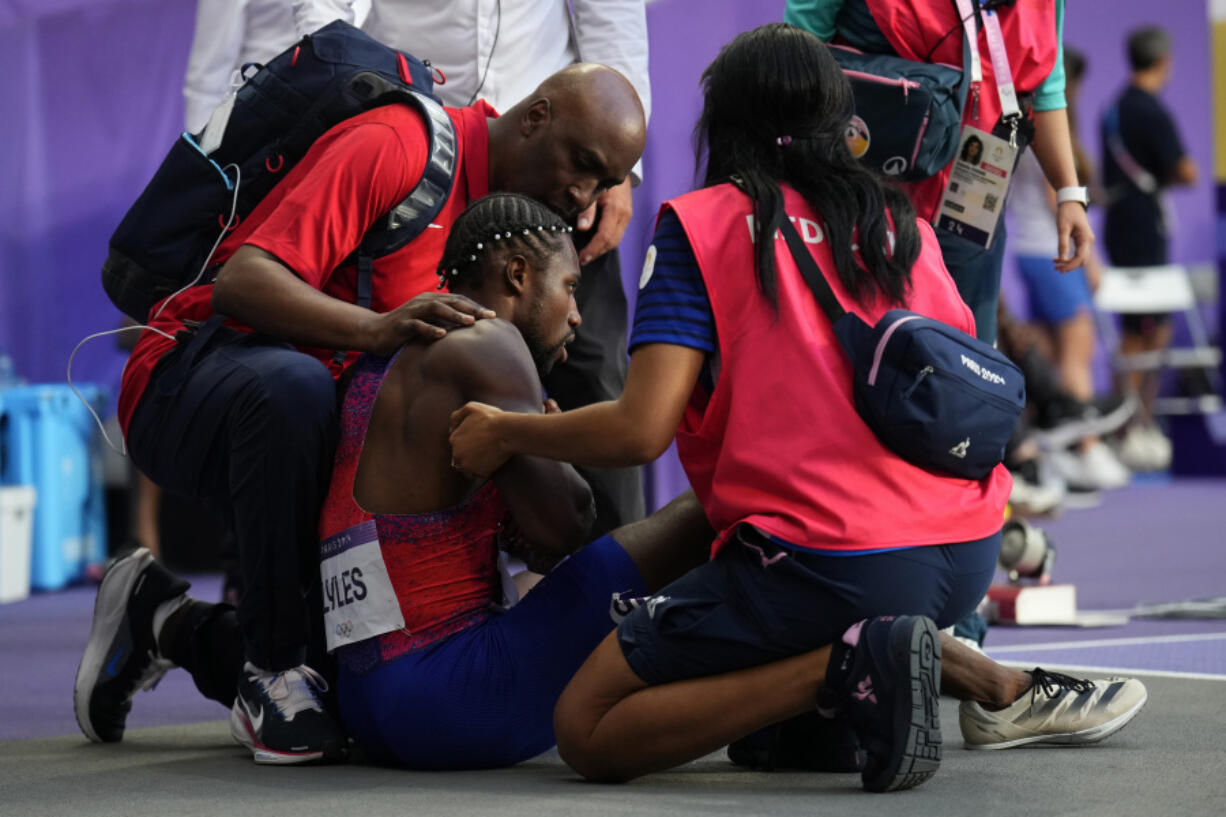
(94, 99)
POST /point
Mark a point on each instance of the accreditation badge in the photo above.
(974, 198)
(359, 602)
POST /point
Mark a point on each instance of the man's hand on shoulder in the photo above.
(427, 317)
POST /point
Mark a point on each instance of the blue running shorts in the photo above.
(484, 697)
(1055, 296)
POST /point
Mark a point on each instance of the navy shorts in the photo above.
(484, 697)
(757, 602)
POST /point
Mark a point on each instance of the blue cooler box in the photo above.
(48, 439)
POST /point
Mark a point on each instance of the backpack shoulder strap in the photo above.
(409, 218)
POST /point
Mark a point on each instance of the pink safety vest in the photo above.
(778, 442)
(913, 29)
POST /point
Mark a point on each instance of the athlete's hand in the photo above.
(615, 206)
(477, 451)
(1073, 227)
(425, 317)
(539, 560)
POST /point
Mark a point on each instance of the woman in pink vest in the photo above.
(833, 557)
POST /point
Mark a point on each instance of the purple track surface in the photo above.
(1155, 541)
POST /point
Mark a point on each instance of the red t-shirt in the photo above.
(353, 174)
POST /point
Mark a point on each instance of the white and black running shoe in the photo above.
(122, 655)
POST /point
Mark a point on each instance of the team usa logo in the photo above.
(857, 137)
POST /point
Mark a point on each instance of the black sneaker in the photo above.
(808, 742)
(885, 676)
(121, 655)
(280, 718)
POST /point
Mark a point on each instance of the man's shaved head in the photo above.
(604, 96)
(577, 134)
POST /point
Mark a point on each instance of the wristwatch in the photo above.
(1081, 195)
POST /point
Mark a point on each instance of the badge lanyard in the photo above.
(1000, 64)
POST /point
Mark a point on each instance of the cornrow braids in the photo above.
(497, 221)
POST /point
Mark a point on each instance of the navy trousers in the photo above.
(976, 272)
(251, 424)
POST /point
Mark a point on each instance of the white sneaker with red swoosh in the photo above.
(280, 718)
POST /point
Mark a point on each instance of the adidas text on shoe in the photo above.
(121, 655)
(279, 717)
(1056, 709)
(884, 675)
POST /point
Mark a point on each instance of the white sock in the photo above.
(163, 612)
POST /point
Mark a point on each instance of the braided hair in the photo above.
(499, 221)
(776, 109)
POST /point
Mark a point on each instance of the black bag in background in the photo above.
(908, 114)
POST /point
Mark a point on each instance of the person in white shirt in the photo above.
(500, 50)
(228, 35)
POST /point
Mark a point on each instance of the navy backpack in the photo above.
(167, 238)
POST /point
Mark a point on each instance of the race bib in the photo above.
(359, 602)
(974, 198)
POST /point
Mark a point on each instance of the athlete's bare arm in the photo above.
(406, 459)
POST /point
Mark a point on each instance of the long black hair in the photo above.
(497, 222)
(776, 109)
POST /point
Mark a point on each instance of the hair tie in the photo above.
(783, 141)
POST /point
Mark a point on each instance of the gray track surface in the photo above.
(1171, 760)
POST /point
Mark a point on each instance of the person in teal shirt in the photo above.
(977, 270)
